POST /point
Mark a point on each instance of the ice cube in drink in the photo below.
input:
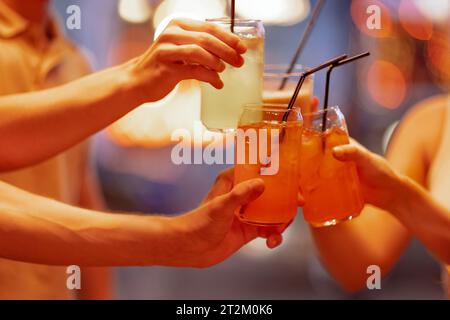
(330, 187)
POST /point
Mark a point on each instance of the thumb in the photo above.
(242, 194)
(349, 152)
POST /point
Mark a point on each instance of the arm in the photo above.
(97, 282)
(377, 237)
(411, 204)
(47, 122)
(38, 230)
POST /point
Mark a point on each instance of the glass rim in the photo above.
(238, 21)
(322, 111)
(270, 107)
(270, 71)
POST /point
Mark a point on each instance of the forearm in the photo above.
(35, 126)
(424, 217)
(349, 248)
(96, 284)
(37, 230)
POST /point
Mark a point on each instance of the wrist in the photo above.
(180, 241)
(128, 85)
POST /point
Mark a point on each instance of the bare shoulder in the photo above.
(419, 132)
(430, 111)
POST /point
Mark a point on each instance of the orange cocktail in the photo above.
(330, 187)
(267, 148)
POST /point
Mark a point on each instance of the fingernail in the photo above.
(338, 151)
(241, 48)
(239, 61)
(258, 184)
(222, 67)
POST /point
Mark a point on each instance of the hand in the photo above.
(213, 232)
(186, 49)
(379, 181)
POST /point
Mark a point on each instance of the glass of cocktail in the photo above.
(279, 86)
(330, 188)
(221, 109)
(267, 147)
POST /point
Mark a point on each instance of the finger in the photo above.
(242, 194)
(223, 184)
(266, 232)
(197, 72)
(192, 54)
(207, 42)
(223, 34)
(274, 241)
(314, 104)
(351, 152)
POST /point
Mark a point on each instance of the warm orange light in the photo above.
(386, 84)
(413, 21)
(438, 54)
(360, 17)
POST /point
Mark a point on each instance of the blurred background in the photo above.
(410, 61)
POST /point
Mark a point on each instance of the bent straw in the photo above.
(300, 83)
(303, 40)
(303, 77)
(327, 84)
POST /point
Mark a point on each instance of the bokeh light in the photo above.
(436, 10)
(386, 84)
(285, 12)
(135, 11)
(438, 57)
(152, 124)
(198, 9)
(414, 22)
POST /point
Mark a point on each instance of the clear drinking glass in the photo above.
(221, 109)
(330, 188)
(267, 147)
(273, 77)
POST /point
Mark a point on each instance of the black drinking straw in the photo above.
(303, 40)
(233, 10)
(300, 83)
(306, 74)
(327, 84)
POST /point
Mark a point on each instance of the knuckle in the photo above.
(175, 22)
(220, 177)
(216, 205)
(209, 27)
(164, 37)
(235, 195)
(234, 40)
(205, 39)
(193, 50)
(160, 51)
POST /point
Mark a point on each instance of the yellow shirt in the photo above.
(31, 60)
